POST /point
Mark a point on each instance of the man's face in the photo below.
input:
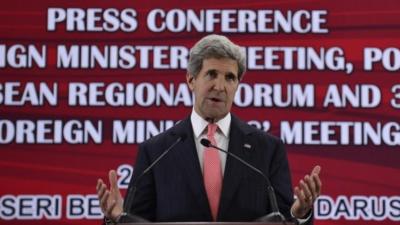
(214, 88)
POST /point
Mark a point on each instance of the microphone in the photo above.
(275, 215)
(127, 217)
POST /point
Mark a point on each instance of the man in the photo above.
(194, 183)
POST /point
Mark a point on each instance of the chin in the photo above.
(213, 112)
(216, 116)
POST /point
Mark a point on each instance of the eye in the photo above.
(230, 77)
(211, 74)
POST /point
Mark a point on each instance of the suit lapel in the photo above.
(188, 160)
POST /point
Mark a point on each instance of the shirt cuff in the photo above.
(108, 221)
(302, 221)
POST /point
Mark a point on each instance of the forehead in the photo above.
(222, 65)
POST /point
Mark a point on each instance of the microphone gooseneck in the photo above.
(275, 215)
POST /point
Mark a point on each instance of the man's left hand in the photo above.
(306, 192)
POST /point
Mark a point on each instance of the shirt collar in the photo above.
(199, 124)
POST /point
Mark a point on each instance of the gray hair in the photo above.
(218, 47)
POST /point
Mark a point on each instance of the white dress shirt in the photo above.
(221, 136)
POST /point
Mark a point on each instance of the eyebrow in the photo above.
(231, 73)
(227, 73)
(212, 70)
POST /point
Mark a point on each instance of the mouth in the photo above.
(216, 100)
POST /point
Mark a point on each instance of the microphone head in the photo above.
(205, 142)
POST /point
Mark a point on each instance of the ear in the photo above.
(189, 81)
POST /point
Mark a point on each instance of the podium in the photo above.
(128, 218)
(209, 223)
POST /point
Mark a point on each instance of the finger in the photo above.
(300, 197)
(311, 186)
(101, 191)
(98, 185)
(112, 176)
(104, 202)
(316, 170)
(307, 193)
(318, 183)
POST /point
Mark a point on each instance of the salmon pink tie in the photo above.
(212, 172)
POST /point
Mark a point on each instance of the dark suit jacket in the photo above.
(174, 189)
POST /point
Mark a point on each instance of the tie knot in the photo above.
(212, 127)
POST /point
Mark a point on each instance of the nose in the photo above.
(219, 84)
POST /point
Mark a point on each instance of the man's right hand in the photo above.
(111, 202)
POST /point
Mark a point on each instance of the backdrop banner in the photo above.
(82, 83)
